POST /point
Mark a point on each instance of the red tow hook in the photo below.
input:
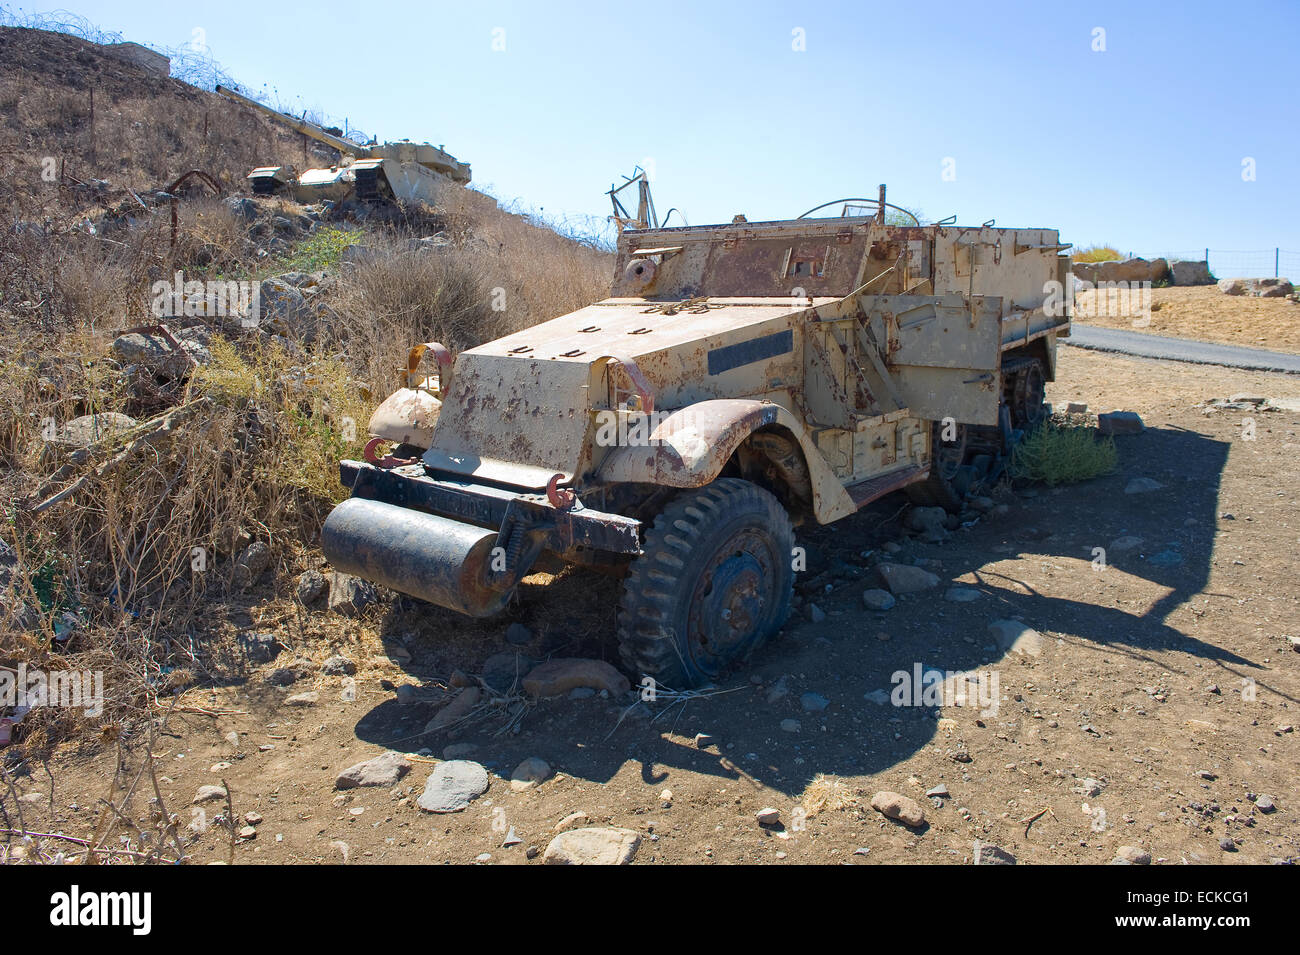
(561, 498)
(387, 461)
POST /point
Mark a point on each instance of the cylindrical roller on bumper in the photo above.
(423, 555)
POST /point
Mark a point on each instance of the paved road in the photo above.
(1179, 349)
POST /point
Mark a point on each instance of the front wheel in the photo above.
(714, 581)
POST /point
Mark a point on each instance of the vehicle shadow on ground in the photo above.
(841, 658)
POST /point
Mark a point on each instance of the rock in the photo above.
(350, 595)
(453, 785)
(518, 634)
(1120, 422)
(1089, 787)
(703, 740)
(558, 677)
(385, 769)
(312, 585)
(529, 774)
(962, 595)
(879, 697)
(581, 693)
(1076, 407)
(248, 832)
(1249, 398)
(813, 702)
(1142, 485)
(980, 504)
(899, 807)
(1257, 288)
(876, 599)
(284, 676)
(456, 710)
(1227, 845)
(88, 429)
(1121, 544)
(459, 750)
(1133, 855)
(152, 351)
(937, 791)
(253, 818)
(505, 672)
(572, 820)
(338, 666)
(241, 207)
(929, 522)
(768, 816)
(815, 613)
(988, 854)
(791, 726)
(1014, 636)
(1191, 273)
(303, 699)
(1265, 804)
(905, 579)
(259, 647)
(251, 564)
(210, 794)
(597, 846)
(284, 310)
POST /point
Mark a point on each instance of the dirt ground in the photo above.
(1206, 314)
(1158, 708)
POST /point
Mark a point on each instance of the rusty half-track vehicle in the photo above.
(742, 379)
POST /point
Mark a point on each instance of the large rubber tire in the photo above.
(714, 581)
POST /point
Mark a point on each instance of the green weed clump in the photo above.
(1063, 454)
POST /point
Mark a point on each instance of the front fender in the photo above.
(690, 447)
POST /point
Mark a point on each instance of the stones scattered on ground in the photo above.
(456, 710)
(1120, 422)
(1076, 407)
(253, 818)
(879, 697)
(312, 585)
(338, 666)
(209, 794)
(385, 769)
(1132, 855)
(1015, 637)
(153, 352)
(1121, 544)
(813, 702)
(814, 613)
(259, 647)
(938, 791)
(285, 676)
(350, 595)
(899, 807)
(1227, 845)
(961, 594)
(505, 671)
(928, 522)
(453, 785)
(1089, 787)
(791, 726)
(906, 579)
(518, 635)
(459, 750)
(1142, 485)
(1265, 804)
(248, 832)
(597, 846)
(530, 774)
(303, 699)
(876, 599)
(768, 816)
(251, 564)
(988, 854)
(573, 820)
(558, 677)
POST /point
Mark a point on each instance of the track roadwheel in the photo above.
(715, 580)
(1027, 408)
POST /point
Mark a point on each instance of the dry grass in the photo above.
(1096, 253)
(827, 794)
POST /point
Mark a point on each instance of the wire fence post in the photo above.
(1277, 258)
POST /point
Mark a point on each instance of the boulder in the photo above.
(1120, 422)
(350, 595)
(1191, 273)
(453, 785)
(558, 677)
(385, 769)
(899, 807)
(906, 579)
(251, 564)
(88, 429)
(596, 846)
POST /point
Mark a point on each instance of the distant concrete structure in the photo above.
(141, 56)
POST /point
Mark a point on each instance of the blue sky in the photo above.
(1141, 144)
